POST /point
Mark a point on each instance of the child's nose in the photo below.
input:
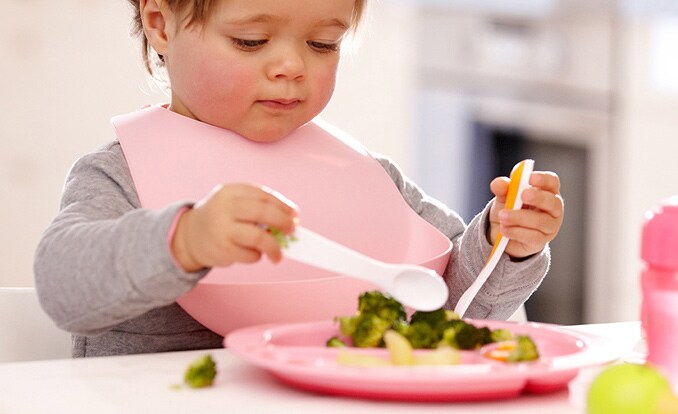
(287, 64)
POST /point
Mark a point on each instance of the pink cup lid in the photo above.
(660, 235)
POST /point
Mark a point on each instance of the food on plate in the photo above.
(399, 347)
(514, 350)
(356, 359)
(631, 388)
(401, 353)
(376, 314)
(336, 342)
(201, 372)
(381, 321)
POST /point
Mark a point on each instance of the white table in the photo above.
(143, 384)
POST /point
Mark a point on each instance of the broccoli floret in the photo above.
(335, 342)
(500, 335)
(525, 350)
(484, 336)
(385, 307)
(401, 326)
(432, 318)
(201, 372)
(426, 329)
(422, 336)
(462, 335)
(369, 331)
(376, 313)
(347, 324)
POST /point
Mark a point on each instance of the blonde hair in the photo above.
(199, 13)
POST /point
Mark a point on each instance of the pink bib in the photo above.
(342, 193)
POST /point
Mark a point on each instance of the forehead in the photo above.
(316, 12)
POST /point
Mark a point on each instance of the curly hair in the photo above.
(199, 13)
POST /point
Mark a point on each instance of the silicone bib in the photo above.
(342, 193)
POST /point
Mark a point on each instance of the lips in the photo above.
(280, 104)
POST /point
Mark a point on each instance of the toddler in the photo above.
(110, 271)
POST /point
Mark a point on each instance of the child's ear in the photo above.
(154, 16)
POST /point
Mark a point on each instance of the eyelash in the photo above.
(248, 45)
(254, 45)
(324, 47)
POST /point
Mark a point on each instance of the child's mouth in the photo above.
(280, 104)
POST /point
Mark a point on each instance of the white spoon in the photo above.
(520, 177)
(414, 286)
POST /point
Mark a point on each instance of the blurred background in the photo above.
(456, 91)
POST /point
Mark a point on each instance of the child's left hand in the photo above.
(537, 223)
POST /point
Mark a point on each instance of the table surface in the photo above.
(144, 384)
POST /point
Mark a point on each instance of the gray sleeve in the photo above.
(510, 284)
(104, 260)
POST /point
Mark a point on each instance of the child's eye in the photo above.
(247, 44)
(324, 47)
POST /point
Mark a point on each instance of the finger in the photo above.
(524, 241)
(264, 195)
(257, 239)
(499, 187)
(546, 180)
(256, 211)
(243, 255)
(276, 197)
(544, 200)
(532, 220)
(260, 205)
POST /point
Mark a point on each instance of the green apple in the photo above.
(631, 389)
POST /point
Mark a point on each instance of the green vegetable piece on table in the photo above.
(201, 372)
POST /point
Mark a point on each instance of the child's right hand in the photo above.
(229, 226)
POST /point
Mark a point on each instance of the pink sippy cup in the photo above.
(659, 280)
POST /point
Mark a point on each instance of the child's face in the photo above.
(260, 68)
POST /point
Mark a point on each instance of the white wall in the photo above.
(68, 66)
(374, 100)
(647, 128)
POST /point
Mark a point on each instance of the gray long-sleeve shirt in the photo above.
(104, 272)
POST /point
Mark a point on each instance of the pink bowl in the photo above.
(343, 193)
(224, 302)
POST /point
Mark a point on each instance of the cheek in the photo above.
(206, 80)
(325, 83)
(221, 86)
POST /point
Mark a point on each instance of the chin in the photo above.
(267, 135)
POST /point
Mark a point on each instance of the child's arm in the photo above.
(103, 260)
(510, 284)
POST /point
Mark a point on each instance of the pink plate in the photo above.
(296, 355)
